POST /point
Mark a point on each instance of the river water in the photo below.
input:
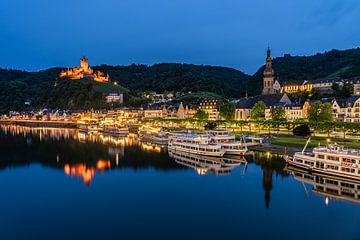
(63, 184)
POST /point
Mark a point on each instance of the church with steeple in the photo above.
(270, 86)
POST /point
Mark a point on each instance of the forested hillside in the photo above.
(179, 78)
(44, 89)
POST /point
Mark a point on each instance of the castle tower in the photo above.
(268, 80)
(84, 63)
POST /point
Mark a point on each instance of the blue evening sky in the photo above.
(37, 34)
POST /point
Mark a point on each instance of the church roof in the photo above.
(349, 102)
(269, 100)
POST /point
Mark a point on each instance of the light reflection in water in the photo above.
(85, 166)
(205, 164)
(141, 171)
(150, 147)
(41, 132)
(327, 186)
(87, 173)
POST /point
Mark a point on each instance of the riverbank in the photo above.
(297, 142)
(274, 149)
(278, 143)
(39, 123)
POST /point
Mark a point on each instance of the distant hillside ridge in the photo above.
(224, 81)
(45, 89)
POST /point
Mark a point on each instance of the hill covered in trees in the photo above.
(179, 78)
(44, 89)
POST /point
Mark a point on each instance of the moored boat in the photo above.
(115, 130)
(88, 128)
(228, 142)
(158, 138)
(332, 159)
(195, 144)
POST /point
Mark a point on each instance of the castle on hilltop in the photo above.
(84, 71)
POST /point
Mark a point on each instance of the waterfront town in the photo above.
(179, 120)
(162, 105)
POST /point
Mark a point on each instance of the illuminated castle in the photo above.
(84, 71)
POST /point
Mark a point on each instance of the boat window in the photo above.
(309, 163)
(348, 160)
(333, 167)
(308, 177)
(349, 170)
(334, 191)
(349, 185)
(332, 182)
(347, 194)
(321, 156)
(332, 158)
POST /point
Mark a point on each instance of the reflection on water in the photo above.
(86, 172)
(329, 187)
(77, 153)
(133, 187)
(206, 164)
(271, 164)
(82, 155)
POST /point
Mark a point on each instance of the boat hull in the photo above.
(235, 152)
(156, 140)
(196, 152)
(120, 133)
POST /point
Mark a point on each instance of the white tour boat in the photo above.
(115, 130)
(88, 128)
(88, 125)
(331, 159)
(228, 142)
(158, 138)
(195, 144)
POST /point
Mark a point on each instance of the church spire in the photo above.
(268, 59)
(268, 79)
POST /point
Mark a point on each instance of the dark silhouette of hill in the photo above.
(44, 89)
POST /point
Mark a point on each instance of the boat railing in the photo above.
(340, 152)
(305, 156)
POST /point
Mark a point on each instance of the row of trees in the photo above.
(268, 125)
(258, 112)
(317, 112)
(319, 119)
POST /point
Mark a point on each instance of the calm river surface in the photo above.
(62, 184)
